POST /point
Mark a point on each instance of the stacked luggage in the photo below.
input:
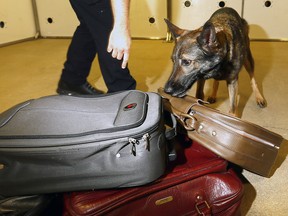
(196, 183)
(111, 155)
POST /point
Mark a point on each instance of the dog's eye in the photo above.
(185, 62)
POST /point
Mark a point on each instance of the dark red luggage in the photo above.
(197, 183)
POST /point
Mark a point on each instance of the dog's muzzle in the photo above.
(175, 90)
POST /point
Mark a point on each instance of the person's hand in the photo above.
(119, 45)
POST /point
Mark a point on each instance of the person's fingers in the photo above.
(109, 48)
(119, 55)
(114, 53)
(125, 59)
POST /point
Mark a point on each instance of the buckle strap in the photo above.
(203, 208)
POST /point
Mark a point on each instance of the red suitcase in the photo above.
(197, 183)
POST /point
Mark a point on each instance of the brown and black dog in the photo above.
(217, 50)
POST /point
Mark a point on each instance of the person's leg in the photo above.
(80, 55)
(98, 18)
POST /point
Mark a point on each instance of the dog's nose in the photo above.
(171, 91)
(168, 89)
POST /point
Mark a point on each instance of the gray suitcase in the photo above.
(68, 143)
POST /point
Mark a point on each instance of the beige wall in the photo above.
(55, 18)
(16, 20)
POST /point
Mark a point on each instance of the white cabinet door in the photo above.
(147, 18)
(56, 18)
(267, 19)
(16, 21)
(192, 14)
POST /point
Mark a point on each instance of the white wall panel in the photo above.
(267, 19)
(16, 20)
(147, 18)
(192, 14)
(56, 18)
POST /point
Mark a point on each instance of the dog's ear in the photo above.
(208, 39)
(176, 31)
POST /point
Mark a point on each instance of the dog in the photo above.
(216, 50)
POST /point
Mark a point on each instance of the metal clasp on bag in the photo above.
(202, 208)
(188, 121)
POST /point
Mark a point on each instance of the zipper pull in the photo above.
(146, 139)
(133, 142)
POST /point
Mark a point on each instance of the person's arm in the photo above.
(120, 39)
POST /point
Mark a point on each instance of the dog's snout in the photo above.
(168, 89)
(173, 89)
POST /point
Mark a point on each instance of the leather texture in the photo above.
(246, 144)
(197, 183)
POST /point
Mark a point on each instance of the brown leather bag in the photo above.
(243, 143)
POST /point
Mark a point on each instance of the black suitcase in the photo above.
(66, 143)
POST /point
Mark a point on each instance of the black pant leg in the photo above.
(80, 56)
(116, 78)
(98, 18)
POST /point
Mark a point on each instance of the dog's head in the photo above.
(196, 53)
